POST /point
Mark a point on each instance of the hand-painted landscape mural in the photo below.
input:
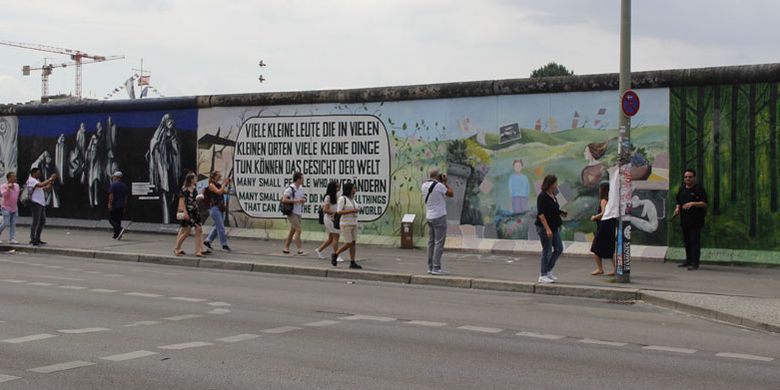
(496, 150)
(151, 149)
(728, 134)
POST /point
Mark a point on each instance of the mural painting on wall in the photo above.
(151, 148)
(9, 127)
(728, 134)
(495, 151)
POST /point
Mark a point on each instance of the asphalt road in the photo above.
(69, 323)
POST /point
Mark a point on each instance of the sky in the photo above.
(203, 47)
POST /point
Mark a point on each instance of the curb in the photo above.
(649, 297)
(594, 292)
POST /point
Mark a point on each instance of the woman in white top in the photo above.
(348, 209)
(328, 211)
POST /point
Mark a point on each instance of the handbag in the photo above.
(287, 208)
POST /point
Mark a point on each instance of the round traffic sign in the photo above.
(629, 103)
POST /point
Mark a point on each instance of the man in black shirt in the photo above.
(691, 207)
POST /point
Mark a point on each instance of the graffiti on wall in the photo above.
(9, 127)
(150, 148)
(496, 151)
(728, 134)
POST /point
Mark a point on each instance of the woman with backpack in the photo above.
(215, 199)
(188, 215)
(348, 209)
(328, 211)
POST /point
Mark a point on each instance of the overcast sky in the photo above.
(207, 47)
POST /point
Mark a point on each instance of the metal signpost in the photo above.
(629, 106)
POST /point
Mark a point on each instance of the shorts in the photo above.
(294, 220)
(329, 228)
(349, 233)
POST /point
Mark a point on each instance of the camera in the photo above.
(442, 177)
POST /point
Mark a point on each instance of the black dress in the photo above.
(604, 243)
(191, 207)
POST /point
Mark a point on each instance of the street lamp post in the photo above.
(623, 259)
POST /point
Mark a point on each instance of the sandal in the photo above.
(286, 251)
(199, 254)
(597, 272)
(178, 252)
(300, 252)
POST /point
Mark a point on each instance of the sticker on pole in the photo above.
(629, 103)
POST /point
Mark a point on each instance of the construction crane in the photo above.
(46, 70)
(76, 55)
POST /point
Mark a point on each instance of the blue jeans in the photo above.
(551, 249)
(219, 226)
(9, 219)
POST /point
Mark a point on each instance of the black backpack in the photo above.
(287, 208)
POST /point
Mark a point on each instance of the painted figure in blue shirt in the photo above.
(519, 188)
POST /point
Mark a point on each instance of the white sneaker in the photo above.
(13, 242)
(546, 280)
(439, 272)
(319, 254)
(552, 277)
(340, 259)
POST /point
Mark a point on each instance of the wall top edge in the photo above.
(740, 74)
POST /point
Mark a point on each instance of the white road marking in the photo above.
(61, 367)
(103, 290)
(219, 311)
(13, 281)
(602, 342)
(237, 338)
(541, 335)
(426, 323)
(94, 272)
(53, 266)
(2, 322)
(40, 284)
(187, 299)
(59, 278)
(481, 329)
(322, 323)
(130, 355)
(141, 323)
(35, 337)
(69, 287)
(7, 378)
(184, 317)
(114, 275)
(35, 264)
(83, 330)
(194, 344)
(224, 304)
(281, 329)
(358, 317)
(74, 269)
(669, 349)
(743, 356)
(140, 294)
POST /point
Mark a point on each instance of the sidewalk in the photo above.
(743, 295)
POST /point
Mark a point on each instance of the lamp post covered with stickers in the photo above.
(629, 106)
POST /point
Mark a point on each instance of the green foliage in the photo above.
(551, 70)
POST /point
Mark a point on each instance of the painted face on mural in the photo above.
(518, 166)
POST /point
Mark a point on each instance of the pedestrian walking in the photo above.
(296, 196)
(434, 191)
(215, 199)
(692, 208)
(36, 188)
(548, 224)
(117, 202)
(603, 246)
(188, 215)
(348, 208)
(328, 212)
(10, 192)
